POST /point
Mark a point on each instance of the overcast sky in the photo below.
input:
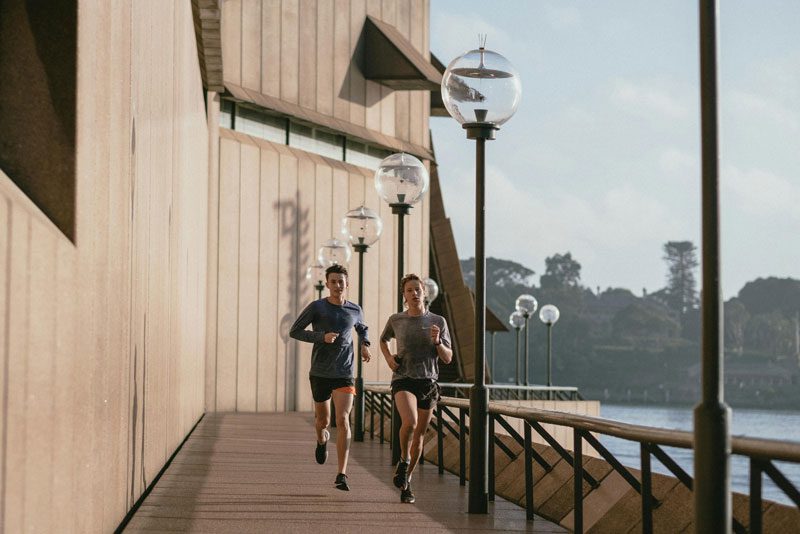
(602, 158)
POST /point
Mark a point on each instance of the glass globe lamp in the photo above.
(334, 251)
(516, 320)
(362, 226)
(401, 179)
(316, 273)
(549, 314)
(526, 305)
(431, 289)
(481, 87)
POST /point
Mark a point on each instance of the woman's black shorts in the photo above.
(426, 390)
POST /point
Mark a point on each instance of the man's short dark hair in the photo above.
(335, 268)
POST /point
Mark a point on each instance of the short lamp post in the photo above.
(549, 316)
(526, 305)
(401, 180)
(431, 290)
(363, 228)
(316, 273)
(481, 90)
(334, 252)
(517, 321)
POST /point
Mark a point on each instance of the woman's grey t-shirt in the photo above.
(416, 352)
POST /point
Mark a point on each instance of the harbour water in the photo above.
(768, 424)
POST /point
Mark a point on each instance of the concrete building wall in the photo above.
(272, 206)
(102, 337)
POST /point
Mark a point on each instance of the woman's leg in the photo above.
(423, 419)
(406, 404)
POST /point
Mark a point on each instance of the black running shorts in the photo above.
(426, 390)
(321, 387)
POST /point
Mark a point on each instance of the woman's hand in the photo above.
(435, 331)
(391, 361)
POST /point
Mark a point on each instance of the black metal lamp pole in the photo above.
(527, 373)
(479, 394)
(549, 354)
(319, 286)
(401, 210)
(712, 439)
(361, 248)
(519, 363)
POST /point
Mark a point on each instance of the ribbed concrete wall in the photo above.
(102, 339)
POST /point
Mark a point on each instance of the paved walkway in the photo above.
(256, 473)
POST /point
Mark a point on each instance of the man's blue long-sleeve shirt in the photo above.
(330, 360)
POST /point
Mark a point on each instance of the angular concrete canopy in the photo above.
(390, 59)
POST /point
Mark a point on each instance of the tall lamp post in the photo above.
(712, 438)
(549, 315)
(401, 180)
(316, 273)
(526, 305)
(481, 90)
(363, 228)
(516, 320)
(431, 290)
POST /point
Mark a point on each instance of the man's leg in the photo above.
(322, 416)
(423, 418)
(343, 400)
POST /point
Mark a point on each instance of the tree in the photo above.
(561, 271)
(645, 321)
(736, 317)
(681, 258)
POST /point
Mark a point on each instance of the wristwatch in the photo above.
(365, 343)
(437, 344)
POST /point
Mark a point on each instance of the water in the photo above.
(768, 424)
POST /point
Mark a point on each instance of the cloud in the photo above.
(761, 108)
(761, 193)
(649, 100)
(561, 17)
(679, 165)
(458, 32)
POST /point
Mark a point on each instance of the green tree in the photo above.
(645, 321)
(561, 271)
(736, 317)
(681, 290)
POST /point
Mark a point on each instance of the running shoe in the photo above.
(401, 474)
(341, 482)
(321, 452)
(406, 495)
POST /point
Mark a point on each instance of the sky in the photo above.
(602, 158)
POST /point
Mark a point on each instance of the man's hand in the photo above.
(365, 354)
(330, 337)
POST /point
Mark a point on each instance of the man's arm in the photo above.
(299, 332)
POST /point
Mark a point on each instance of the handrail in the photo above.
(761, 452)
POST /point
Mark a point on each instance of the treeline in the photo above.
(620, 346)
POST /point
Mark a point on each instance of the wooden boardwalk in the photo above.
(256, 473)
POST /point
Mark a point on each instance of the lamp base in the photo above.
(400, 209)
(480, 130)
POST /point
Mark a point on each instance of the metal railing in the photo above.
(513, 392)
(762, 453)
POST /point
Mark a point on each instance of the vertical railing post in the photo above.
(755, 496)
(440, 437)
(528, 471)
(383, 422)
(462, 447)
(491, 458)
(371, 416)
(577, 466)
(647, 489)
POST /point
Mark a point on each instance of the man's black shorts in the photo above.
(426, 390)
(321, 387)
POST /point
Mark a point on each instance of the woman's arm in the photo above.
(388, 356)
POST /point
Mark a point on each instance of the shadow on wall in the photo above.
(294, 229)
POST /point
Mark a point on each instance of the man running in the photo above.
(332, 319)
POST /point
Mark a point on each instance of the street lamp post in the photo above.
(316, 273)
(481, 90)
(363, 228)
(516, 320)
(712, 438)
(549, 315)
(431, 290)
(526, 305)
(401, 180)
